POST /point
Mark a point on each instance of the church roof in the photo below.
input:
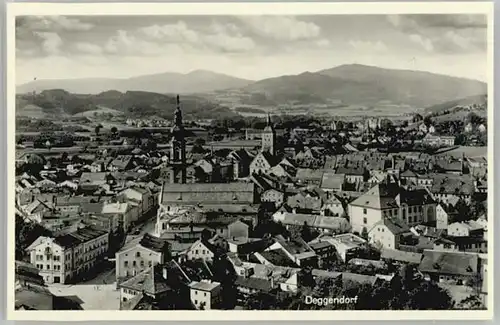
(199, 193)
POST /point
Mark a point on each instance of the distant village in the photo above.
(394, 214)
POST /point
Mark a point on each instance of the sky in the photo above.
(250, 47)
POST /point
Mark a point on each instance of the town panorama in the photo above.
(355, 187)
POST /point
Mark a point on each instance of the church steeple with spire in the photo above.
(269, 137)
(178, 148)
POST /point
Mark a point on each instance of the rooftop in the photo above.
(204, 285)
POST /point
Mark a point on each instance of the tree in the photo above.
(26, 233)
(97, 129)
(417, 118)
(114, 130)
(427, 120)
(223, 272)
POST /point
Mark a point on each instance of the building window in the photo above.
(205, 294)
(364, 220)
(142, 263)
(195, 292)
(150, 263)
(48, 267)
(134, 263)
(126, 263)
(57, 258)
(196, 302)
(138, 254)
(196, 251)
(364, 211)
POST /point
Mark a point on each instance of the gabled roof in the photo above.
(332, 181)
(401, 256)
(154, 243)
(454, 263)
(200, 193)
(149, 281)
(394, 225)
(381, 196)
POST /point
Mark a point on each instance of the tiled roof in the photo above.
(304, 202)
(332, 223)
(350, 171)
(277, 257)
(204, 285)
(454, 263)
(402, 256)
(92, 178)
(381, 196)
(453, 184)
(154, 243)
(253, 283)
(79, 236)
(309, 174)
(331, 180)
(221, 193)
(149, 281)
(34, 298)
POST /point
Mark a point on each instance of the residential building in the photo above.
(391, 201)
(142, 196)
(438, 140)
(205, 295)
(387, 233)
(204, 250)
(140, 254)
(262, 163)
(450, 267)
(274, 196)
(470, 228)
(297, 250)
(67, 258)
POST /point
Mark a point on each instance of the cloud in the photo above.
(88, 48)
(51, 42)
(457, 33)
(323, 43)
(411, 23)
(282, 27)
(426, 43)
(52, 24)
(219, 37)
(178, 32)
(367, 46)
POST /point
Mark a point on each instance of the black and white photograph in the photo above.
(330, 161)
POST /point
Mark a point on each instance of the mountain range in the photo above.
(198, 81)
(366, 85)
(59, 103)
(351, 84)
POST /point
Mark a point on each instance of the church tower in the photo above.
(269, 137)
(178, 148)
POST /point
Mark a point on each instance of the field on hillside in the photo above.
(101, 110)
(37, 112)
